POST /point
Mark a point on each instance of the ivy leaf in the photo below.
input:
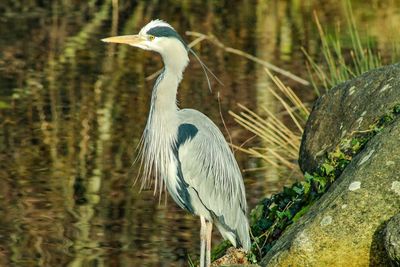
(306, 186)
(308, 177)
(328, 168)
(256, 214)
(298, 189)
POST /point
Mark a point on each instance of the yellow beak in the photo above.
(125, 39)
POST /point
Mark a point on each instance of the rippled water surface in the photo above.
(72, 110)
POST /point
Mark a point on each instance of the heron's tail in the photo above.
(237, 231)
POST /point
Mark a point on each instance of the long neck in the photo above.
(164, 92)
(163, 101)
(163, 122)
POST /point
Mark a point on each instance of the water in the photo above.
(72, 110)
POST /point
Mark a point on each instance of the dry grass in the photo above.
(280, 142)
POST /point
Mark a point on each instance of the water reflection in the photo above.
(73, 109)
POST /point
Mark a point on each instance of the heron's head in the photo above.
(157, 36)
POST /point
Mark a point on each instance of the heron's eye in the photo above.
(151, 37)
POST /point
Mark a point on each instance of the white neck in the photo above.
(175, 59)
(163, 122)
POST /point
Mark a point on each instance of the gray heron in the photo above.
(185, 150)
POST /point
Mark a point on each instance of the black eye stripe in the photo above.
(163, 31)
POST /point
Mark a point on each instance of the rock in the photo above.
(232, 257)
(392, 239)
(346, 108)
(346, 227)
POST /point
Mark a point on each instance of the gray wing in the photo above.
(212, 175)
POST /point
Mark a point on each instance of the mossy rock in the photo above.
(345, 227)
(347, 109)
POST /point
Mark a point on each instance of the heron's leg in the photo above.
(202, 241)
(208, 242)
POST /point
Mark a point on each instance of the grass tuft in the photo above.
(339, 67)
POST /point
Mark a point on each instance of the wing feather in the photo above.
(208, 166)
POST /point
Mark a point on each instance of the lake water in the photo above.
(72, 110)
